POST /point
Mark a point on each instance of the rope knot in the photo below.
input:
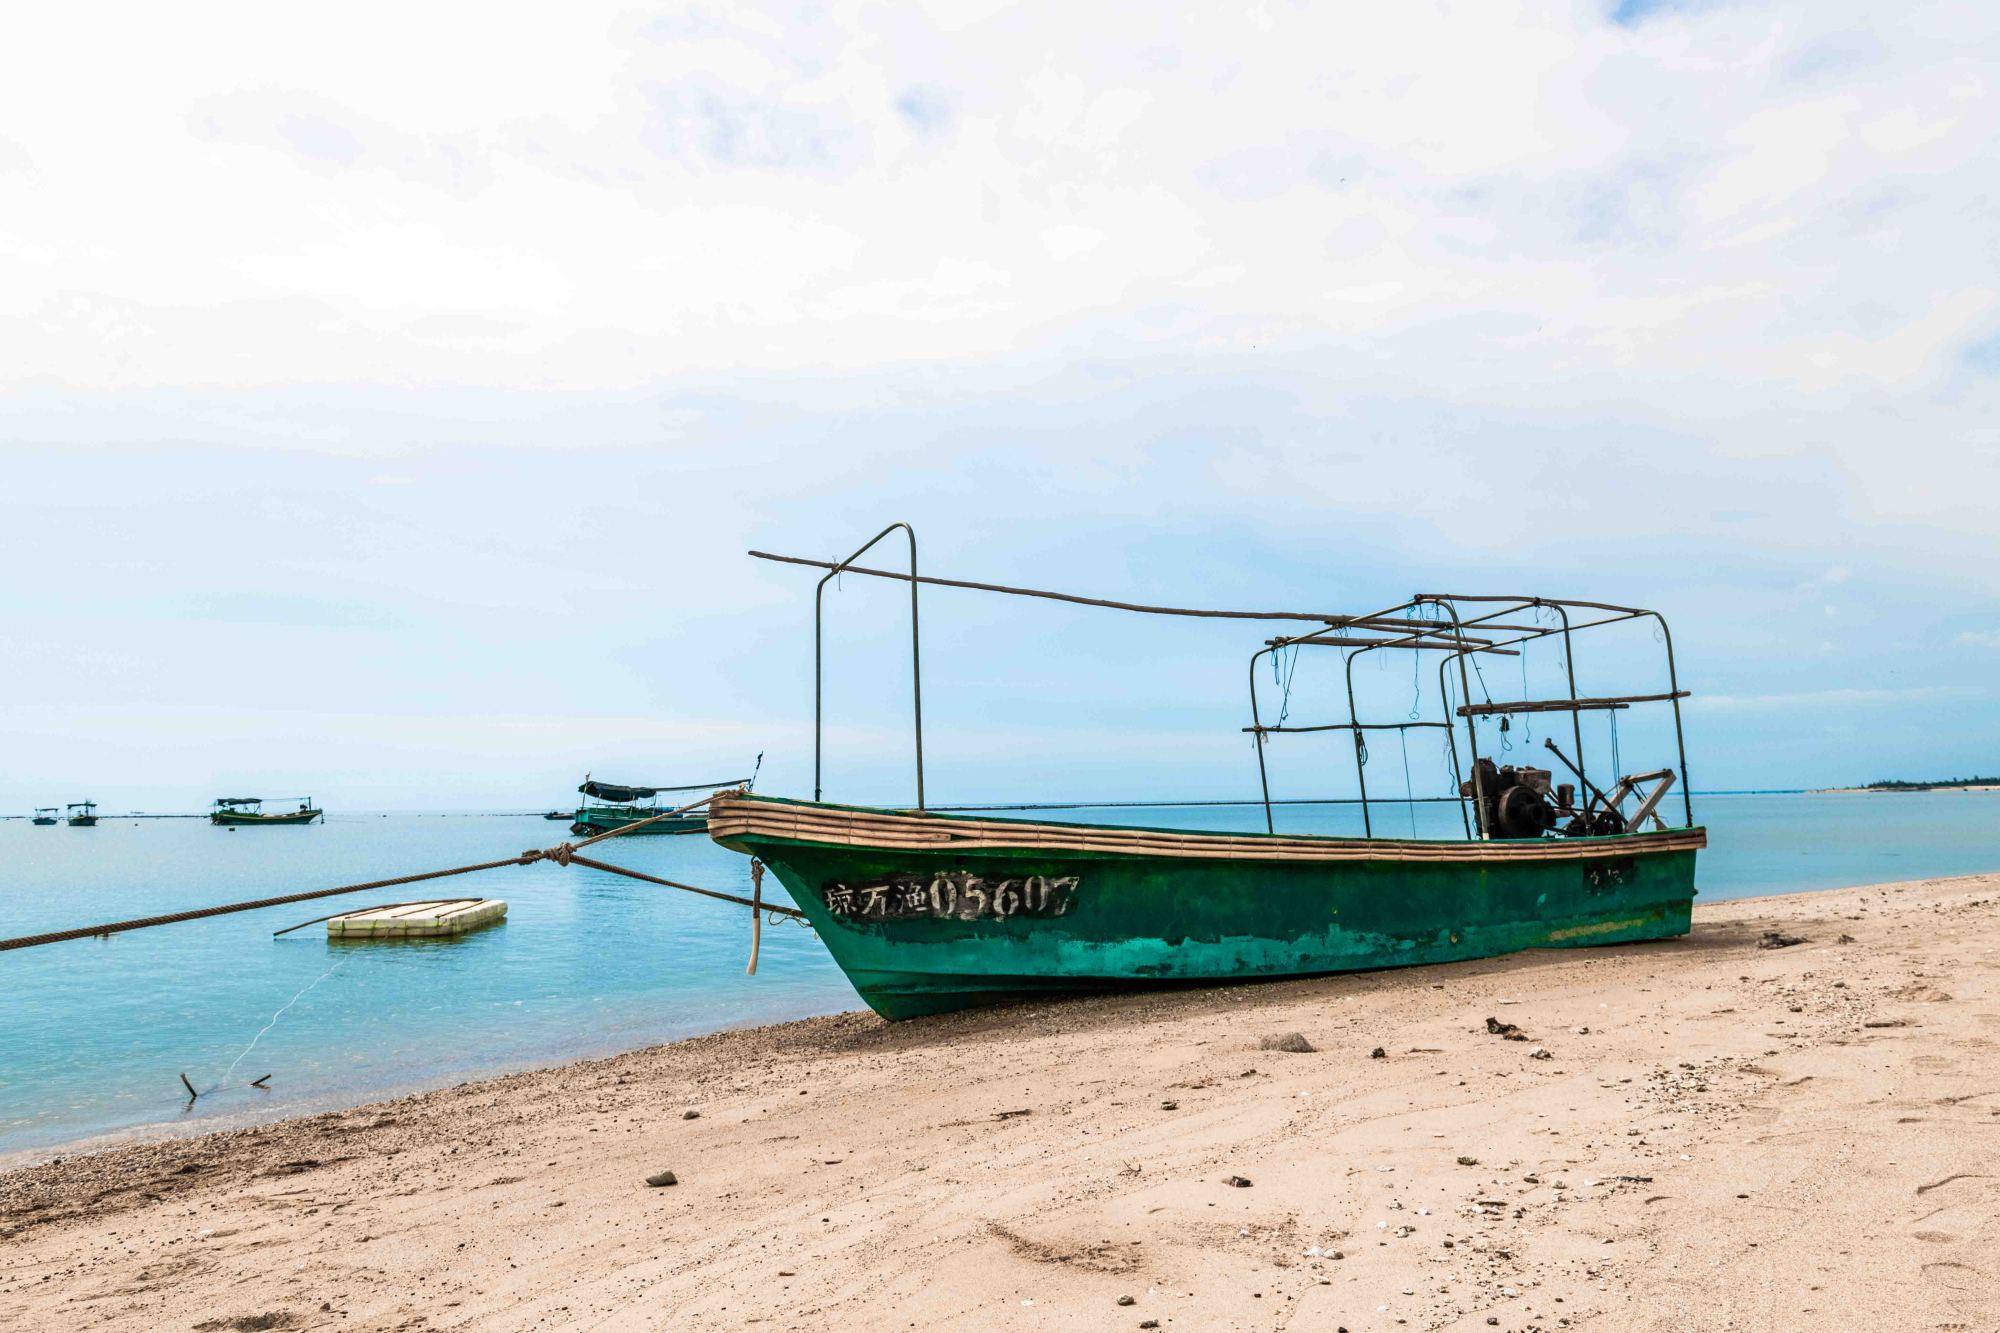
(560, 854)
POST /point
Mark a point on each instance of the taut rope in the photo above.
(563, 854)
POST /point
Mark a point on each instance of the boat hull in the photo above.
(589, 823)
(930, 913)
(83, 821)
(236, 820)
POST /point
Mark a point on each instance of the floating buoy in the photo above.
(416, 920)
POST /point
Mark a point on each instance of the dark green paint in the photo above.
(1147, 920)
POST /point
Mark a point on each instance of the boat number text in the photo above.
(1607, 874)
(956, 895)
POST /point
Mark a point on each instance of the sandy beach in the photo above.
(1700, 1134)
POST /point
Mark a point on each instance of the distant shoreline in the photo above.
(1897, 788)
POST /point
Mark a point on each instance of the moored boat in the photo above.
(46, 814)
(82, 814)
(928, 912)
(248, 811)
(608, 806)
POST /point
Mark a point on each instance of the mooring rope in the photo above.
(169, 918)
(563, 854)
(274, 1021)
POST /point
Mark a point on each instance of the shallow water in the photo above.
(94, 1033)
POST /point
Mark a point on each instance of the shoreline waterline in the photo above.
(166, 1131)
(585, 965)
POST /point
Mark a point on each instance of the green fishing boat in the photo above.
(46, 814)
(927, 912)
(248, 811)
(930, 912)
(608, 806)
(82, 814)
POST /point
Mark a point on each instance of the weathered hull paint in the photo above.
(1139, 920)
(230, 819)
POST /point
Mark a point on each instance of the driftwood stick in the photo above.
(192, 1094)
(260, 1082)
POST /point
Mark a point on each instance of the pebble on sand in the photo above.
(1240, 1182)
(690, 1115)
(1378, 1054)
(661, 1178)
(1468, 1161)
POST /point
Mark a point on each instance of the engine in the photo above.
(1515, 801)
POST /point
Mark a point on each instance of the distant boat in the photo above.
(560, 814)
(45, 814)
(619, 805)
(82, 814)
(238, 811)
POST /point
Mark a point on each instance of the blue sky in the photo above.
(387, 419)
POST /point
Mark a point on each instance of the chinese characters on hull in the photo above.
(951, 895)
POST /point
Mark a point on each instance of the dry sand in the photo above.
(1720, 1136)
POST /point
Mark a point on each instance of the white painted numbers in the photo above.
(957, 895)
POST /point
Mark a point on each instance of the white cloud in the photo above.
(1528, 196)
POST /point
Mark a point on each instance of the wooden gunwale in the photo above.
(734, 817)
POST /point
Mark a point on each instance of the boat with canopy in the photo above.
(46, 814)
(82, 814)
(928, 911)
(247, 811)
(612, 805)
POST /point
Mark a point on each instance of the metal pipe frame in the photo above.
(916, 657)
(1452, 637)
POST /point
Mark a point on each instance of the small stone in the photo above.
(690, 1115)
(1773, 939)
(662, 1178)
(1170, 1106)
(1493, 1319)
(1149, 1323)
(1239, 1182)
(1540, 1053)
(1378, 1054)
(1468, 1161)
(1293, 1042)
(1128, 1300)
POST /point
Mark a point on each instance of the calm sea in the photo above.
(95, 1033)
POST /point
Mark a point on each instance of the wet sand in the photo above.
(1698, 1134)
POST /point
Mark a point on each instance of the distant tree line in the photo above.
(1898, 784)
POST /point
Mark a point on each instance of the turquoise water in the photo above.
(94, 1033)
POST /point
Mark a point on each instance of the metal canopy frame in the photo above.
(1425, 622)
(916, 649)
(1446, 629)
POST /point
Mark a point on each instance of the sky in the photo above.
(389, 394)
